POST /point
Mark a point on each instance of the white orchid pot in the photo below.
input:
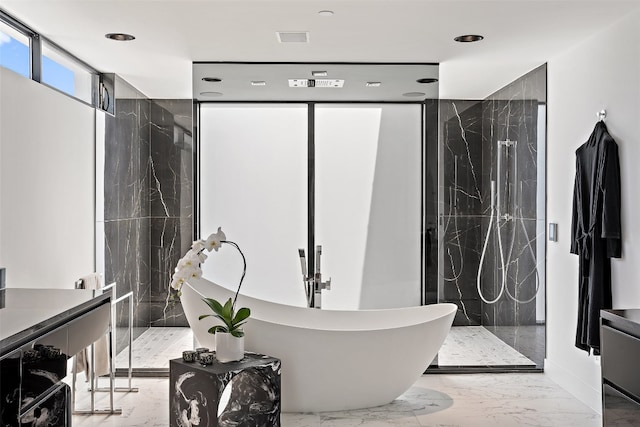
(229, 348)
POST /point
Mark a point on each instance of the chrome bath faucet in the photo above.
(313, 285)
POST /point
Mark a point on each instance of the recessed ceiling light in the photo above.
(211, 79)
(211, 93)
(326, 13)
(427, 80)
(373, 84)
(258, 83)
(414, 94)
(121, 37)
(319, 73)
(468, 38)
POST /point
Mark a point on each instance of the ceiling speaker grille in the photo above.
(293, 36)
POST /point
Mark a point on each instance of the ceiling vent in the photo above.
(316, 83)
(293, 36)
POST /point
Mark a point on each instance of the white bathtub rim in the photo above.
(419, 314)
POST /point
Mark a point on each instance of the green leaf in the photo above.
(241, 315)
(217, 328)
(227, 311)
(237, 333)
(203, 316)
(215, 306)
(237, 326)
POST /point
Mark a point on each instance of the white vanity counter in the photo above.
(26, 314)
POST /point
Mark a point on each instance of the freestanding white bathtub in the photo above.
(332, 360)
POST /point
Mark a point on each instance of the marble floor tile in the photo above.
(476, 346)
(508, 413)
(147, 407)
(526, 339)
(300, 420)
(474, 400)
(494, 386)
(156, 346)
(396, 413)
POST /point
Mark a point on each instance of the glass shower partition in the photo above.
(491, 249)
(253, 168)
(368, 203)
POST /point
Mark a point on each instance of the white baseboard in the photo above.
(584, 392)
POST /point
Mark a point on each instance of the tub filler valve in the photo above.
(313, 285)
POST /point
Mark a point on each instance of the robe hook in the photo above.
(601, 115)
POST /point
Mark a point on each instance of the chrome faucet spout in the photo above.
(313, 284)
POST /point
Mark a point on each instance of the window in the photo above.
(27, 53)
(14, 50)
(253, 180)
(63, 73)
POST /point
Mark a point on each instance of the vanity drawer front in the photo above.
(618, 409)
(88, 328)
(620, 358)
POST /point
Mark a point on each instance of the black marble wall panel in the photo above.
(512, 115)
(126, 208)
(460, 252)
(148, 205)
(127, 263)
(171, 203)
(461, 205)
(170, 239)
(171, 160)
(470, 159)
(126, 193)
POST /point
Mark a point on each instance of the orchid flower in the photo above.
(188, 266)
(215, 240)
(198, 246)
(191, 273)
(177, 282)
(191, 259)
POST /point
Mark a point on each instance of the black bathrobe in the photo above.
(595, 230)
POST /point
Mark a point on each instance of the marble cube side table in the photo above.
(243, 393)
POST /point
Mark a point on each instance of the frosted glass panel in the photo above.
(253, 183)
(368, 204)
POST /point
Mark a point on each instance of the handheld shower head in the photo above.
(318, 256)
(303, 262)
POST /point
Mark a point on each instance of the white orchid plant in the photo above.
(189, 268)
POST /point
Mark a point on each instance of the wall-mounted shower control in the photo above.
(553, 232)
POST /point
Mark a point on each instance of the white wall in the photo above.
(47, 186)
(602, 72)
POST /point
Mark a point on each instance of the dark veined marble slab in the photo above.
(243, 393)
